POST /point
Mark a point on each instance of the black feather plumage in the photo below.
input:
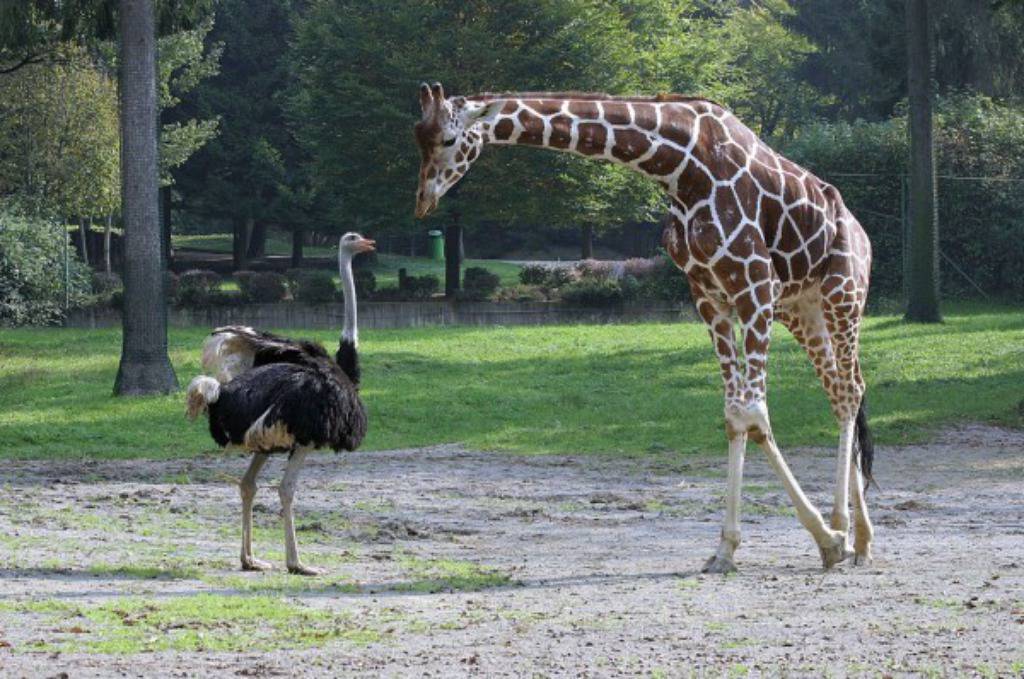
(293, 383)
(319, 406)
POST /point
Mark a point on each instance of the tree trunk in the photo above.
(257, 240)
(83, 239)
(298, 236)
(923, 261)
(165, 225)
(452, 258)
(587, 241)
(239, 242)
(145, 366)
(106, 243)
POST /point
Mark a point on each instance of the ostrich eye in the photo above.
(448, 142)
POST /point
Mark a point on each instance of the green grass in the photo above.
(650, 389)
(199, 622)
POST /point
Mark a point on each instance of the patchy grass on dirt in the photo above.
(198, 622)
(648, 389)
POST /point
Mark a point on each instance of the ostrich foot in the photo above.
(719, 564)
(253, 564)
(836, 551)
(299, 569)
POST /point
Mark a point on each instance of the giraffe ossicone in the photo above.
(759, 238)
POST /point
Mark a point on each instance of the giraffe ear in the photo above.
(426, 100)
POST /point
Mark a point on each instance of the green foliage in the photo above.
(263, 286)
(479, 283)
(980, 221)
(592, 292)
(197, 287)
(366, 282)
(533, 274)
(314, 286)
(59, 138)
(32, 269)
(421, 287)
(661, 281)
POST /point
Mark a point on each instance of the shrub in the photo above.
(479, 283)
(520, 293)
(389, 293)
(533, 274)
(314, 286)
(261, 286)
(595, 268)
(171, 286)
(639, 267)
(593, 292)
(420, 287)
(32, 285)
(559, 276)
(103, 284)
(980, 220)
(663, 282)
(366, 282)
(547, 276)
(196, 287)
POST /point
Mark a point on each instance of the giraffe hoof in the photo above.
(253, 564)
(299, 569)
(718, 564)
(862, 557)
(835, 553)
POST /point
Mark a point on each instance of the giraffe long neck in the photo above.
(686, 146)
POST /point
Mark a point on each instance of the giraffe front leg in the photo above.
(722, 561)
(750, 412)
(720, 328)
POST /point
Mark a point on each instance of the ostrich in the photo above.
(270, 395)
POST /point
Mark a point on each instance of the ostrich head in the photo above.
(351, 244)
(448, 142)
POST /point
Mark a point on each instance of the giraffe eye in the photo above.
(448, 142)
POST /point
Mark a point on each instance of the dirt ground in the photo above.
(449, 562)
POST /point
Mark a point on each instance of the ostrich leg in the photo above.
(287, 493)
(247, 486)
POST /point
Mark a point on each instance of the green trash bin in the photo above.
(436, 245)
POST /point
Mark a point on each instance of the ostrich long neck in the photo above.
(347, 356)
(685, 144)
(349, 331)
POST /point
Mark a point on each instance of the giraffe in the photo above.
(759, 238)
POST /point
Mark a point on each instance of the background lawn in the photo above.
(385, 269)
(622, 389)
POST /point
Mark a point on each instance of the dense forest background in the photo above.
(295, 116)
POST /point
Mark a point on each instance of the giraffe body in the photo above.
(759, 238)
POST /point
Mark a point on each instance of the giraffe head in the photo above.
(448, 142)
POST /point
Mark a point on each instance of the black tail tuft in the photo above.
(865, 446)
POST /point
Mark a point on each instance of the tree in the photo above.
(923, 261)
(59, 138)
(249, 175)
(145, 367)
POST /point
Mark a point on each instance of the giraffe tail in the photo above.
(865, 446)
